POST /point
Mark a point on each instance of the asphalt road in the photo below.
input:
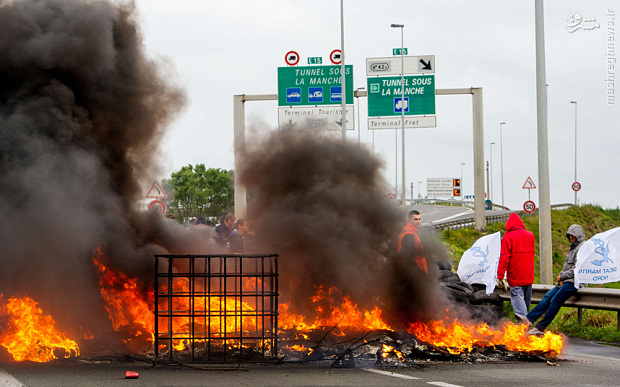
(583, 364)
(433, 214)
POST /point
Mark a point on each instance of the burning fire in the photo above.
(328, 314)
(30, 335)
(458, 338)
(389, 350)
(129, 306)
(126, 303)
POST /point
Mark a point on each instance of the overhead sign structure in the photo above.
(313, 85)
(392, 65)
(336, 57)
(576, 186)
(529, 206)
(386, 104)
(156, 192)
(291, 58)
(318, 118)
(529, 184)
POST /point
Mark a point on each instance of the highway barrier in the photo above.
(585, 298)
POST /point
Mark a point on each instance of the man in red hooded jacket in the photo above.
(517, 262)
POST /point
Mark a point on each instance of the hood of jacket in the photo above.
(576, 231)
(514, 222)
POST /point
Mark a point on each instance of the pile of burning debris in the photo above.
(401, 349)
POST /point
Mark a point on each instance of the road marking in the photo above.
(386, 373)
(7, 380)
(442, 384)
(596, 357)
(453, 216)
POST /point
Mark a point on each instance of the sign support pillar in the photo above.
(544, 196)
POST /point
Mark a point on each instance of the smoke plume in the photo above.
(322, 205)
(82, 112)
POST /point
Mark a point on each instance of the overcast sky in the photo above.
(220, 49)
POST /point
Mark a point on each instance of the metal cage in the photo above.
(216, 308)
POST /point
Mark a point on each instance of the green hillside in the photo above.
(593, 219)
(597, 324)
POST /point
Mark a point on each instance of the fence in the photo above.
(216, 308)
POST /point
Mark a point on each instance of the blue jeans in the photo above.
(551, 304)
(521, 298)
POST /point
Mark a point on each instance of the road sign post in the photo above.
(529, 206)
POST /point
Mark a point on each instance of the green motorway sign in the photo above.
(397, 51)
(384, 96)
(315, 60)
(313, 85)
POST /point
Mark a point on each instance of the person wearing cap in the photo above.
(554, 299)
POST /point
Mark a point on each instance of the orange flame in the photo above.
(126, 303)
(129, 306)
(30, 335)
(458, 338)
(346, 316)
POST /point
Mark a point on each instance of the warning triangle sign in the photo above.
(156, 192)
(529, 184)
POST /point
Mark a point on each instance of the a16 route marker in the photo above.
(576, 186)
(291, 58)
(529, 206)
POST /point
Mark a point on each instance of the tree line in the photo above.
(198, 191)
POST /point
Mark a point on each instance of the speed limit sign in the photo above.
(576, 186)
(529, 206)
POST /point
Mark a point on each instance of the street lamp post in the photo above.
(343, 94)
(491, 171)
(402, 107)
(501, 150)
(575, 102)
(462, 190)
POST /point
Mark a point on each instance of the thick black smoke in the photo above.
(82, 113)
(323, 206)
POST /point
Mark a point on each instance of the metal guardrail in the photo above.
(585, 298)
(469, 223)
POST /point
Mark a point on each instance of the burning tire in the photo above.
(481, 298)
(448, 276)
(458, 291)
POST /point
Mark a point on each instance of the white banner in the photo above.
(479, 263)
(597, 259)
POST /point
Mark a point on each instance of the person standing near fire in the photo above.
(409, 244)
(554, 299)
(223, 230)
(516, 262)
(239, 239)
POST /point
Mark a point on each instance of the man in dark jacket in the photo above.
(565, 288)
(239, 239)
(409, 244)
(517, 261)
(227, 221)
